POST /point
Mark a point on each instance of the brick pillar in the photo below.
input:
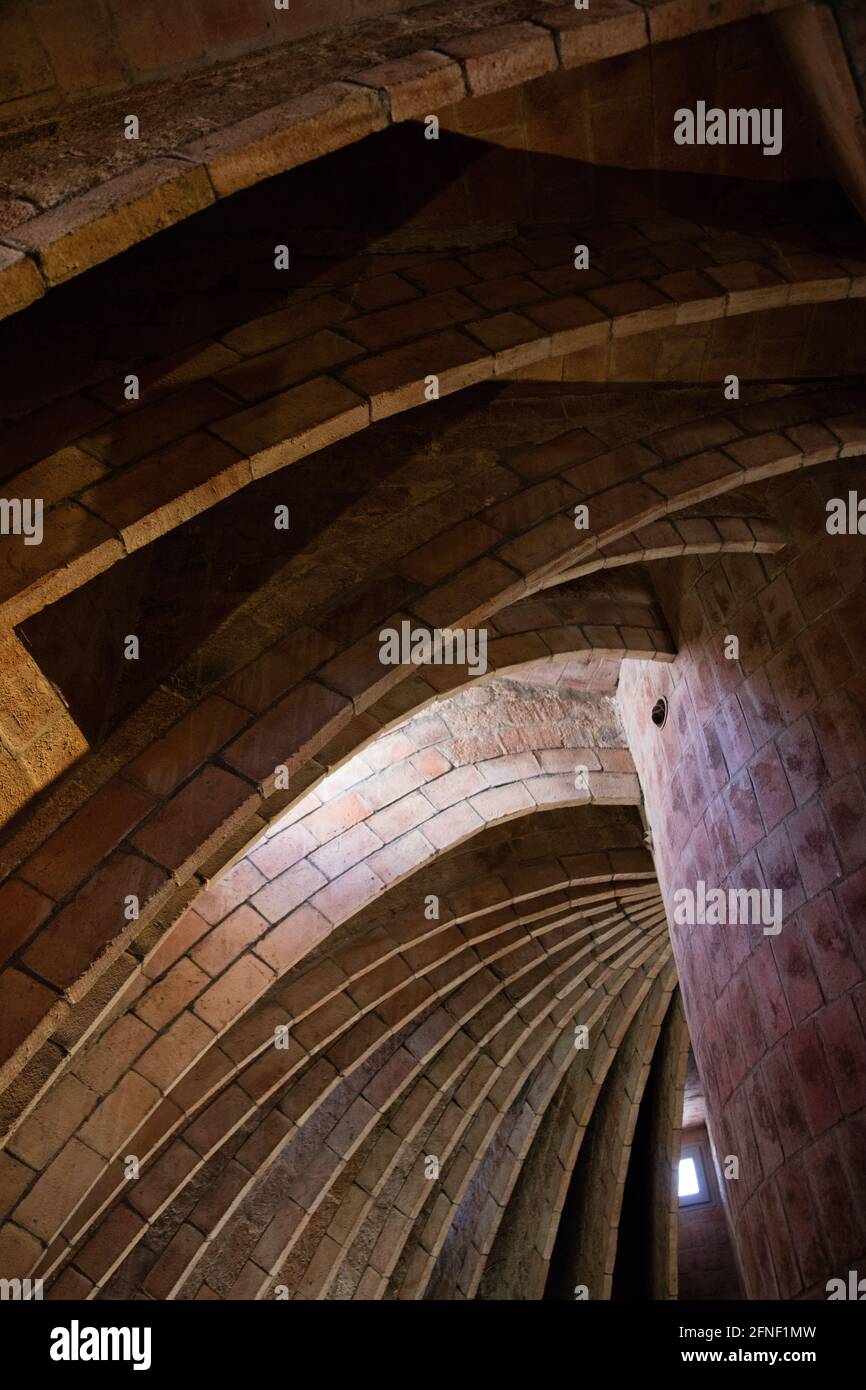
(757, 780)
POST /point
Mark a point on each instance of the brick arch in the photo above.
(40, 737)
(348, 684)
(129, 191)
(608, 777)
(304, 1169)
(540, 895)
(278, 1220)
(107, 500)
(780, 345)
(239, 1049)
(824, 654)
(420, 752)
(525, 1239)
(412, 1265)
(722, 525)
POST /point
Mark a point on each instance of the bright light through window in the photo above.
(689, 1185)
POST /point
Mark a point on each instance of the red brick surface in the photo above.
(152, 1032)
(774, 1023)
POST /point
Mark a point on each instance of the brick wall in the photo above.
(757, 781)
(620, 114)
(706, 1265)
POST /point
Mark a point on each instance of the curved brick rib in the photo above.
(435, 1216)
(304, 1168)
(352, 681)
(545, 495)
(451, 1139)
(377, 364)
(417, 1103)
(226, 986)
(463, 1268)
(703, 530)
(294, 1006)
(391, 800)
(49, 749)
(526, 1231)
(252, 1087)
(413, 1106)
(92, 213)
(334, 1268)
(538, 501)
(614, 1120)
(393, 1077)
(646, 641)
(168, 1063)
(457, 1134)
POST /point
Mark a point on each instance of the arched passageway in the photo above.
(327, 974)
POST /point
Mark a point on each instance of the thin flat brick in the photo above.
(293, 938)
(397, 380)
(105, 1061)
(606, 29)
(573, 323)
(85, 938)
(227, 941)
(282, 137)
(165, 1000)
(176, 942)
(168, 1273)
(115, 1237)
(220, 1119)
(59, 1188)
(347, 893)
(120, 1114)
(22, 911)
(280, 369)
(503, 57)
(300, 421)
(288, 890)
(233, 992)
(196, 820)
(54, 1120)
(87, 837)
(286, 325)
(174, 1052)
(94, 226)
(291, 731)
(403, 322)
(172, 758)
(229, 891)
(161, 492)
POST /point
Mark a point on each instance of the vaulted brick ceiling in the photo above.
(341, 1037)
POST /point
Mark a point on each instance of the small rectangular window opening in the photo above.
(689, 1185)
(692, 1185)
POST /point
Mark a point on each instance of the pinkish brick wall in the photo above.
(757, 780)
(706, 1265)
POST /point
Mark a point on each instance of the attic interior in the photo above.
(326, 977)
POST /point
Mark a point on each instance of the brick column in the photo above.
(757, 780)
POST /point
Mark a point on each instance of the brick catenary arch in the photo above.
(756, 779)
